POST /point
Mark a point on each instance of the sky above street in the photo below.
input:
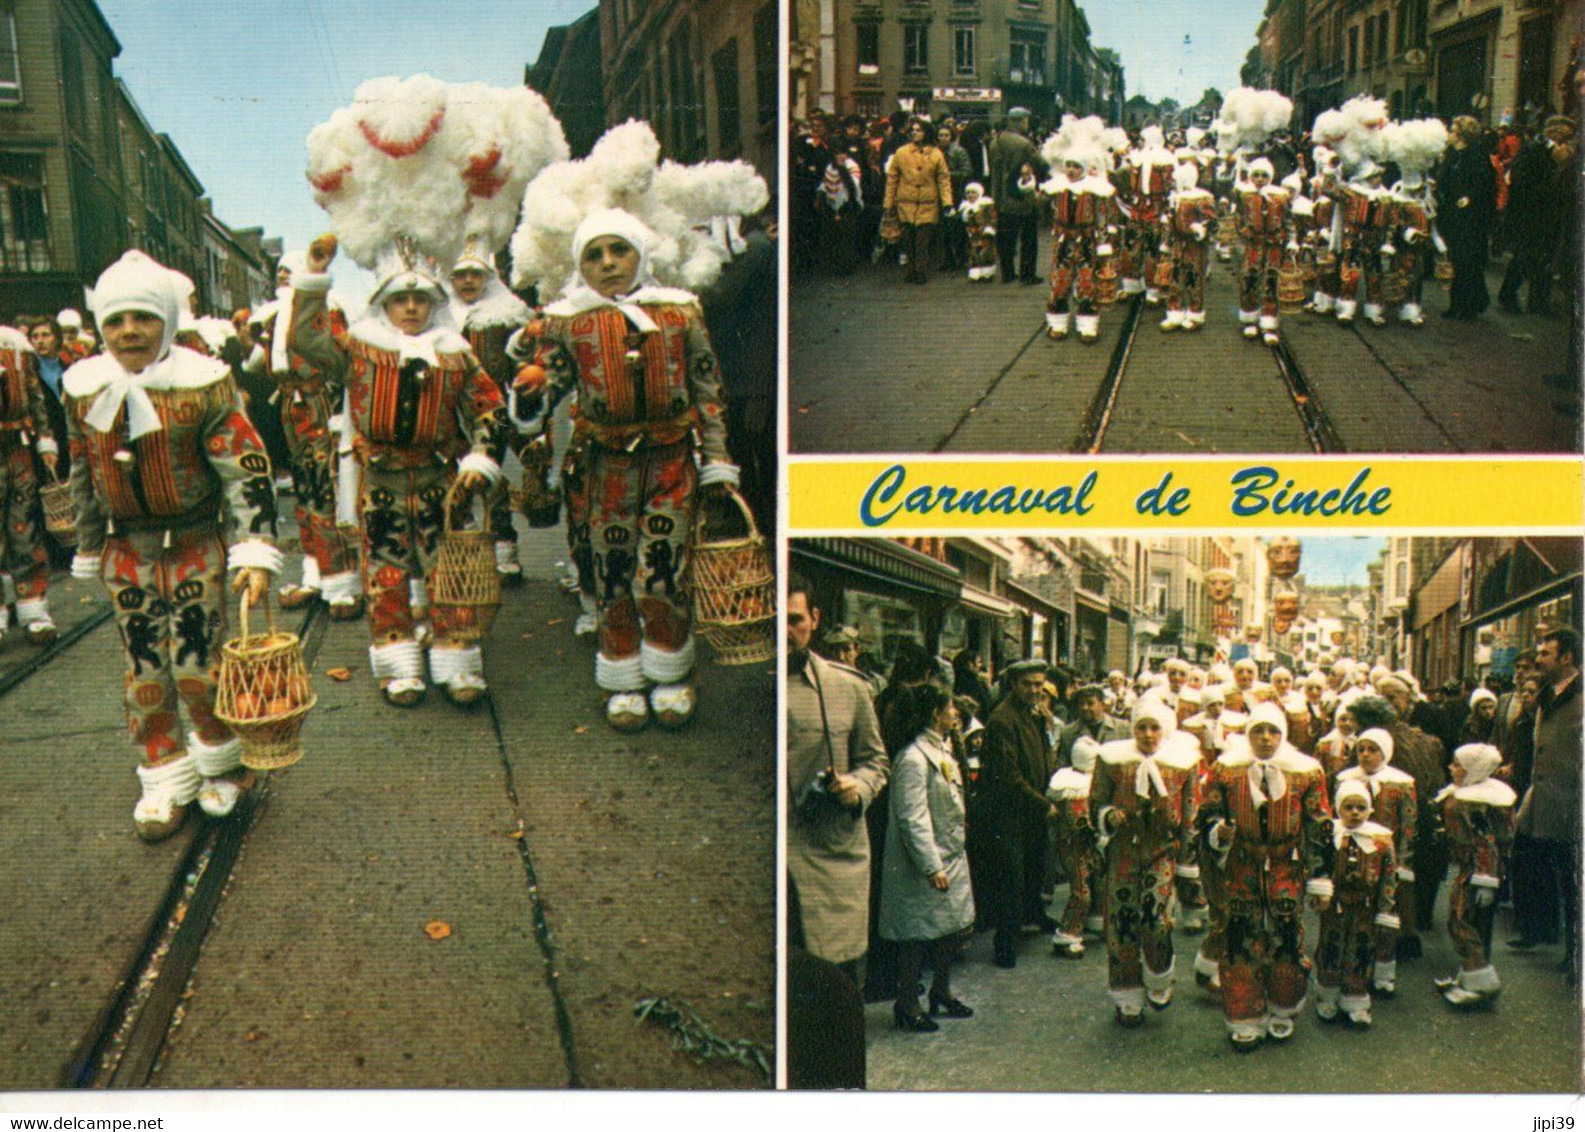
(1149, 36)
(238, 86)
(1339, 561)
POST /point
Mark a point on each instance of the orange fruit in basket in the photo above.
(267, 684)
(297, 690)
(278, 707)
(246, 706)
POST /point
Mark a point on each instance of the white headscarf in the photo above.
(1266, 780)
(1479, 760)
(581, 297)
(1148, 775)
(135, 283)
(1381, 738)
(1366, 833)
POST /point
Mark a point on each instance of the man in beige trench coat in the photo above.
(836, 765)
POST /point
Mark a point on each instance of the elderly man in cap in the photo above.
(1017, 764)
(161, 448)
(1018, 210)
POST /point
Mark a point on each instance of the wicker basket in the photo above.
(1394, 288)
(1444, 270)
(58, 518)
(1290, 287)
(464, 586)
(1106, 282)
(265, 694)
(734, 590)
(891, 228)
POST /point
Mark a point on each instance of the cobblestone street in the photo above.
(877, 366)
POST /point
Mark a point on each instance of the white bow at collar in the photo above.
(1147, 777)
(1259, 778)
(131, 390)
(1365, 836)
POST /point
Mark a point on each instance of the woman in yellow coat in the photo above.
(918, 190)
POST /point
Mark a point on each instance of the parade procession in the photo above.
(417, 596)
(1264, 812)
(1165, 239)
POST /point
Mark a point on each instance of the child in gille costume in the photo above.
(649, 426)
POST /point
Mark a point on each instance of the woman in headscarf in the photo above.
(1142, 803)
(1482, 718)
(1393, 804)
(839, 210)
(1364, 878)
(1477, 816)
(648, 435)
(926, 903)
(425, 421)
(160, 444)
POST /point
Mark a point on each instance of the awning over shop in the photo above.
(883, 561)
(979, 601)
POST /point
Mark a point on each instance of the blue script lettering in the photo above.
(881, 502)
(1253, 495)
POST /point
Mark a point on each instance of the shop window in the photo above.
(24, 219)
(10, 64)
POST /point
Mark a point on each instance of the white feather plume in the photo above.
(623, 170)
(432, 162)
(1254, 115)
(1415, 146)
(1366, 118)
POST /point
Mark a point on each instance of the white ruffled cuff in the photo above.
(1319, 886)
(47, 446)
(479, 462)
(445, 665)
(625, 675)
(1186, 872)
(661, 666)
(177, 780)
(86, 565)
(312, 281)
(254, 554)
(719, 472)
(1406, 875)
(399, 660)
(1484, 880)
(343, 587)
(1388, 920)
(212, 762)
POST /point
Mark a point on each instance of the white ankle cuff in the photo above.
(212, 762)
(340, 588)
(33, 612)
(397, 660)
(310, 572)
(176, 781)
(445, 665)
(625, 675)
(661, 666)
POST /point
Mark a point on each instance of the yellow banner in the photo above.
(926, 494)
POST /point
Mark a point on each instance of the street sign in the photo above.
(966, 94)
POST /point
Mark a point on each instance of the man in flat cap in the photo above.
(1017, 763)
(1018, 212)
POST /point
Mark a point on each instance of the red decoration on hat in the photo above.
(407, 148)
(483, 175)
